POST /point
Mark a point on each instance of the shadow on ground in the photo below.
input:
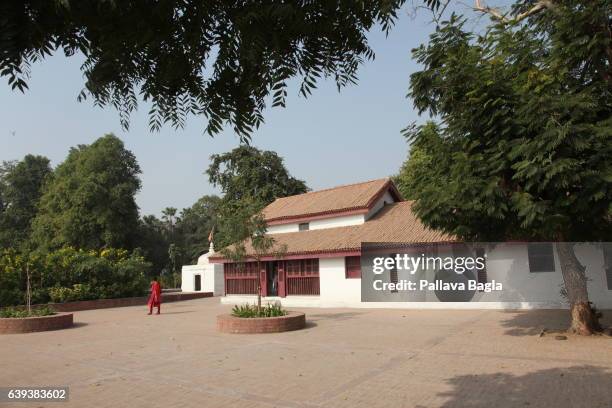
(532, 322)
(310, 324)
(579, 386)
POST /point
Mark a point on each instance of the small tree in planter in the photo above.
(27, 263)
(248, 232)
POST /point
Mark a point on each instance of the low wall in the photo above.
(123, 302)
(36, 324)
(251, 325)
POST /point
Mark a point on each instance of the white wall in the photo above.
(506, 263)
(282, 228)
(331, 222)
(509, 263)
(334, 222)
(211, 276)
(335, 289)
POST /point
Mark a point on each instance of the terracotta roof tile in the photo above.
(394, 223)
(337, 199)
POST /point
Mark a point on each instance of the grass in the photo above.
(270, 310)
(13, 312)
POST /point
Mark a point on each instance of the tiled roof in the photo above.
(359, 196)
(394, 223)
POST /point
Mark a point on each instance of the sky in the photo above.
(327, 139)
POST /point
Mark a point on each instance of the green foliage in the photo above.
(524, 140)
(152, 240)
(195, 225)
(249, 311)
(13, 312)
(223, 60)
(249, 173)
(411, 171)
(59, 294)
(68, 274)
(21, 186)
(248, 234)
(89, 203)
(250, 179)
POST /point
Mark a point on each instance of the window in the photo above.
(305, 226)
(541, 257)
(302, 267)
(352, 266)
(482, 273)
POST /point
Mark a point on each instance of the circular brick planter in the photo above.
(249, 325)
(36, 323)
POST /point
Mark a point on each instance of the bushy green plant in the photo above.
(13, 312)
(248, 311)
(69, 274)
(59, 294)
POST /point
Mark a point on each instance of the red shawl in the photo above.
(155, 298)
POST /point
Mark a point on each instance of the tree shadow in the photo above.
(578, 386)
(533, 322)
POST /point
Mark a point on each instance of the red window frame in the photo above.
(352, 267)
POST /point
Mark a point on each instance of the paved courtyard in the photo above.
(345, 358)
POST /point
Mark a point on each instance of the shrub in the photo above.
(79, 291)
(270, 310)
(69, 274)
(13, 312)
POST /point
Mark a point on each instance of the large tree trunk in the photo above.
(584, 319)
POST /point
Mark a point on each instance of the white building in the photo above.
(203, 277)
(322, 266)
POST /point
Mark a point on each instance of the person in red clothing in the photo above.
(155, 297)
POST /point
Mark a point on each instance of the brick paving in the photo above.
(344, 358)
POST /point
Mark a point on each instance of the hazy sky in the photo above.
(328, 139)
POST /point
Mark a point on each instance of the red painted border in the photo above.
(330, 254)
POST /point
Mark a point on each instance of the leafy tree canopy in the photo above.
(21, 186)
(250, 179)
(247, 173)
(220, 59)
(413, 170)
(89, 203)
(153, 241)
(195, 225)
(523, 138)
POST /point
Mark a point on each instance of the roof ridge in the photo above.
(336, 188)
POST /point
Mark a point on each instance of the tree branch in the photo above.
(497, 15)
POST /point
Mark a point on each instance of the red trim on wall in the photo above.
(338, 254)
